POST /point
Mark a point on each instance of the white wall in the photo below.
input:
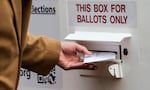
(143, 30)
(136, 65)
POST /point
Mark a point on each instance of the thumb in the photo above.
(82, 49)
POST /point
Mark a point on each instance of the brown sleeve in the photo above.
(41, 54)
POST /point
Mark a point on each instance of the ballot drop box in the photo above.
(106, 29)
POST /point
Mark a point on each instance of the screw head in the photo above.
(125, 51)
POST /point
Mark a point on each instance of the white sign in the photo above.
(44, 21)
(102, 13)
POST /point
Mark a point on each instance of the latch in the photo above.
(116, 70)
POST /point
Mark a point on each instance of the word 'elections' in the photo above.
(43, 10)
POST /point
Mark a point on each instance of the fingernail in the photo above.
(92, 67)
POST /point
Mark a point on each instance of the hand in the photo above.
(69, 58)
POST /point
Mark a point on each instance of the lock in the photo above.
(125, 51)
(116, 70)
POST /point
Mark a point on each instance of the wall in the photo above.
(44, 21)
(136, 65)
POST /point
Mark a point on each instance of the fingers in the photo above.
(79, 61)
(82, 49)
(70, 59)
(81, 65)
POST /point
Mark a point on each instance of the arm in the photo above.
(41, 54)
